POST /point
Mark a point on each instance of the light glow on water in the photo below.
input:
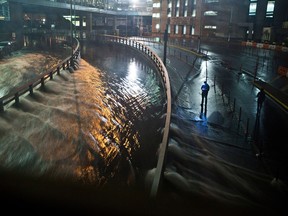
(79, 127)
(132, 71)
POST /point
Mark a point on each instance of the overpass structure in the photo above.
(35, 15)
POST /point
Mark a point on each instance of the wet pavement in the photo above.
(236, 133)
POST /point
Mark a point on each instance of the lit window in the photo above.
(156, 5)
(84, 22)
(185, 13)
(157, 26)
(210, 27)
(192, 30)
(211, 1)
(169, 14)
(156, 15)
(252, 9)
(270, 9)
(193, 13)
(210, 13)
(184, 30)
(176, 29)
(177, 12)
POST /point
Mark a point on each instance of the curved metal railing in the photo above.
(164, 74)
(39, 80)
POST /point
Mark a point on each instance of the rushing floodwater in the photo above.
(102, 125)
(97, 125)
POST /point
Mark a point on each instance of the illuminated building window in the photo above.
(270, 9)
(157, 5)
(176, 29)
(177, 12)
(184, 30)
(156, 15)
(185, 13)
(211, 1)
(210, 27)
(252, 9)
(192, 30)
(157, 26)
(169, 13)
(210, 13)
(84, 21)
(193, 13)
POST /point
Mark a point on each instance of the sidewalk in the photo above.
(208, 145)
(186, 94)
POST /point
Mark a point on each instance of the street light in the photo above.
(71, 28)
(165, 40)
(230, 23)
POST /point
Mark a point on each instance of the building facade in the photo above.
(270, 20)
(255, 20)
(252, 20)
(200, 18)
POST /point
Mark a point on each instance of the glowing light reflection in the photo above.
(132, 71)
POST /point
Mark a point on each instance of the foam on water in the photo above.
(76, 127)
(198, 166)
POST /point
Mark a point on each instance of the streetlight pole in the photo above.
(200, 27)
(165, 41)
(71, 28)
(126, 25)
(230, 24)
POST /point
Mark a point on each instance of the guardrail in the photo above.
(164, 74)
(28, 87)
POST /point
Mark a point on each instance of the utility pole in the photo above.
(165, 45)
(165, 41)
(200, 27)
(256, 68)
(230, 24)
(71, 28)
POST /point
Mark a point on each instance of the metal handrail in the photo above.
(164, 74)
(40, 79)
(127, 42)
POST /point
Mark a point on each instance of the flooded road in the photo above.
(100, 125)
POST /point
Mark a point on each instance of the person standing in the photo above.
(205, 89)
(260, 99)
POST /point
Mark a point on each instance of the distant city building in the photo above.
(258, 20)
(253, 20)
(269, 20)
(201, 18)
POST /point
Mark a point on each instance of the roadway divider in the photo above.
(165, 77)
(70, 63)
(265, 46)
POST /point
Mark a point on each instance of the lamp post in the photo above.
(71, 28)
(126, 25)
(200, 27)
(165, 41)
(230, 24)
